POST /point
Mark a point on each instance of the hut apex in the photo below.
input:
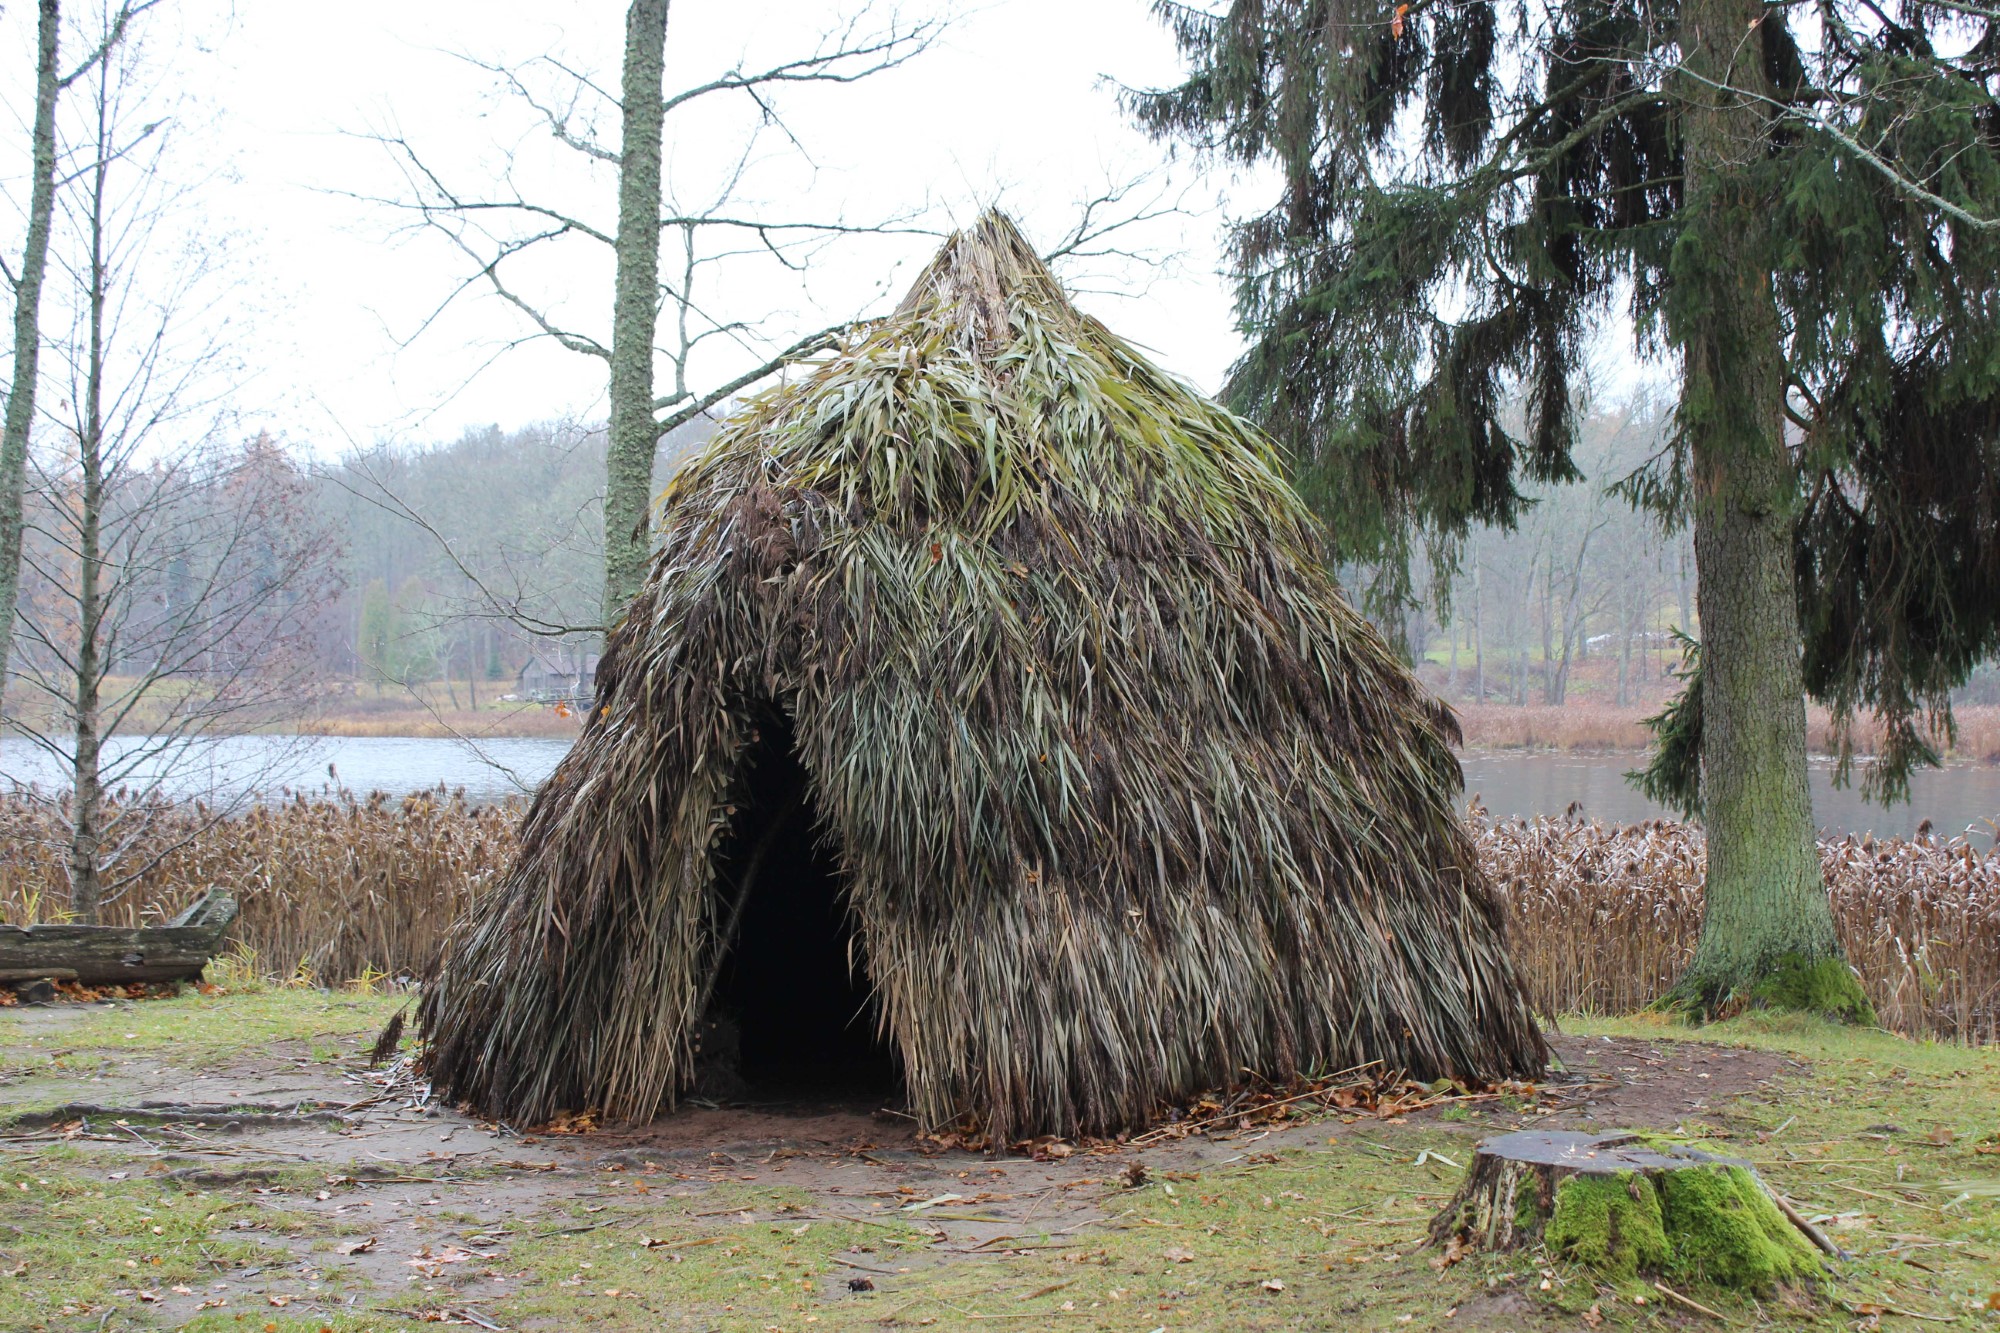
(989, 726)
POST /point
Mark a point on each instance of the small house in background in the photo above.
(562, 675)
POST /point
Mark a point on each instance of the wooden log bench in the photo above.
(34, 956)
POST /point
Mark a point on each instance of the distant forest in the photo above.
(463, 560)
(457, 554)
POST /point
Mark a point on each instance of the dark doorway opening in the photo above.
(793, 1016)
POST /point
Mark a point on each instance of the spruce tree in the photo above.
(1798, 204)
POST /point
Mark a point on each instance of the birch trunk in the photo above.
(27, 327)
(635, 315)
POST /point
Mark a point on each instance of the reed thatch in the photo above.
(1127, 800)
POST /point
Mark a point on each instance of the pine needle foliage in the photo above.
(1127, 800)
(1470, 187)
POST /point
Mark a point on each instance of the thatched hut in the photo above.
(989, 713)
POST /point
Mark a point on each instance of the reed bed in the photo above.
(1607, 728)
(1603, 918)
(334, 887)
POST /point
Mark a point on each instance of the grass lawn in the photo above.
(371, 1212)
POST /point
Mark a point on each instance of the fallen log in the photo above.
(1624, 1206)
(118, 955)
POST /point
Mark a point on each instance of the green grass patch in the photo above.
(76, 1242)
(200, 1031)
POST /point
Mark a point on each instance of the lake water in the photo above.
(1955, 800)
(490, 771)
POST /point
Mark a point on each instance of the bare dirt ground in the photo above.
(365, 1200)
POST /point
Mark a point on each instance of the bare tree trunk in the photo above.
(635, 313)
(473, 664)
(1478, 632)
(27, 327)
(1457, 631)
(85, 849)
(1548, 615)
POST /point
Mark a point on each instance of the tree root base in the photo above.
(1825, 986)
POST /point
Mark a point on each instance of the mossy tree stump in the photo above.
(1624, 1206)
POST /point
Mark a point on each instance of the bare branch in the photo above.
(849, 59)
(509, 609)
(806, 346)
(114, 33)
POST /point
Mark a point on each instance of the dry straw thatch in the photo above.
(1127, 800)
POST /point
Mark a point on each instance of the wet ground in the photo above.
(426, 1208)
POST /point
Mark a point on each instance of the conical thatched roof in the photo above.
(1127, 799)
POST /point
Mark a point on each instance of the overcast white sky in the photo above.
(1009, 106)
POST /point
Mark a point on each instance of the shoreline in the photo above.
(1490, 730)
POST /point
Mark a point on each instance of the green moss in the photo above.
(1612, 1223)
(1726, 1230)
(1827, 987)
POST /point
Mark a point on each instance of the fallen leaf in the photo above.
(1593, 1316)
(356, 1246)
(1273, 1284)
(280, 1301)
(1178, 1257)
(1455, 1249)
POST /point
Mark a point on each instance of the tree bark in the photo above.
(1766, 916)
(634, 437)
(1478, 629)
(87, 799)
(27, 326)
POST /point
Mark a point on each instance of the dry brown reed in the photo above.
(1576, 726)
(1597, 727)
(1603, 919)
(333, 888)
